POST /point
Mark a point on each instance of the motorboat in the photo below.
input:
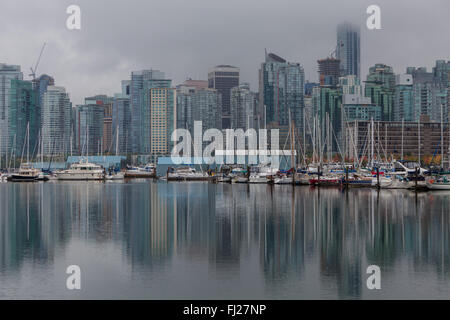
(439, 183)
(382, 182)
(327, 181)
(283, 179)
(224, 178)
(396, 182)
(115, 176)
(186, 174)
(82, 170)
(148, 171)
(262, 174)
(26, 173)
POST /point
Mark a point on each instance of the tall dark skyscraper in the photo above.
(223, 78)
(348, 49)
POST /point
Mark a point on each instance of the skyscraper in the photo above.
(198, 104)
(137, 105)
(430, 93)
(7, 73)
(441, 72)
(243, 108)
(56, 121)
(162, 121)
(89, 128)
(157, 111)
(223, 78)
(348, 49)
(121, 122)
(107, 103)
(403, 103)
(40, 86)
(24, 112)
(281, 91)
(380, 87)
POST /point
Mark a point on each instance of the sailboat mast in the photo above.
(442, 138)
(419, 138)
(117, 140)
(28, 142)
(403, 126)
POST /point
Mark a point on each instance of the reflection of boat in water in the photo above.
(149, 171)
(26, 173)
(82, 171)
(439, 183)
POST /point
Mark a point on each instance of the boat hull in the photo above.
(261, 180)
(142, 175)
(80, 176)
(20, 178)
(438, 186)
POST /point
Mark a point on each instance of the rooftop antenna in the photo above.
(33, 70)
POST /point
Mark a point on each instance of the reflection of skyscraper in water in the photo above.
(195, 217)
(340, 256)
(29, 229)
(152, 220)
(282, 246)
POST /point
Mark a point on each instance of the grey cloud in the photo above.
(186, 38)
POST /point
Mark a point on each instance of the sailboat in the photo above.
(115, 175)
(26, 173)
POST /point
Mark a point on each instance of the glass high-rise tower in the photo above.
(56, 121)
(281, 91)
(348, 49)
(7, 73)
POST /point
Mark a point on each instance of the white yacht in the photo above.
(262, 174)
(149, 171)
(82, 171)
(187, 174)
(284, 179)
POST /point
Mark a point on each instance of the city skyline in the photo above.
(106, 54)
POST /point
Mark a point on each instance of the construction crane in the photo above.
(33, 70)
(333, 54)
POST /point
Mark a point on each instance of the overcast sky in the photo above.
(184, 38)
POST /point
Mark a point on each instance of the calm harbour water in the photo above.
(158, 240)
